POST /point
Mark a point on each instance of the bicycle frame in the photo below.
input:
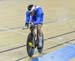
(34, 39)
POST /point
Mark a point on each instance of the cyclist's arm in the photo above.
(27, 17)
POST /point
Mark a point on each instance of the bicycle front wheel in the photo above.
(30, 49)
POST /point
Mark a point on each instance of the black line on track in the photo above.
(44, 39)
(12, 48)
(19, 27)
(48, 49)
(59, 44)
(60, 35)
(21, 58)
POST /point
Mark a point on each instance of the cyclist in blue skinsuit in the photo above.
(35, 14)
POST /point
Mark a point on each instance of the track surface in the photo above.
(59, 27)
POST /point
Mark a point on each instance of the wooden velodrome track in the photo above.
(59, 27)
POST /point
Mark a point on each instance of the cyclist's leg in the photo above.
(39, 30)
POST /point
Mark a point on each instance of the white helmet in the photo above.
(31, 8)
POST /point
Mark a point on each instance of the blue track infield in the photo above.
(63, 54)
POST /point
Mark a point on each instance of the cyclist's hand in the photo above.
(27, 25)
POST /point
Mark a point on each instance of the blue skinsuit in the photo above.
(38, 18)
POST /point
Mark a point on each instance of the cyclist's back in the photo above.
(37, 18)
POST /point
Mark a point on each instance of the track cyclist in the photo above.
(35, 15)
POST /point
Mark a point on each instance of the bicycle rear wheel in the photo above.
(30, 50)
